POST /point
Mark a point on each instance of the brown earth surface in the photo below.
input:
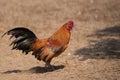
(94, 49)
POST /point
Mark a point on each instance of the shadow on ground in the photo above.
(107, 45)
(36, 69)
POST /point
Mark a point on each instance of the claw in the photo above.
(48, 65)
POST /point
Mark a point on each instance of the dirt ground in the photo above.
(94, 48)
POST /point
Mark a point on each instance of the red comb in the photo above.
(71, 22)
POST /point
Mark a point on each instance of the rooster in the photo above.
(42, 49)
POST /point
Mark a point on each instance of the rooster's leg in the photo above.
(48, 63)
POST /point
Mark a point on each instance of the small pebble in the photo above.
(69, 54)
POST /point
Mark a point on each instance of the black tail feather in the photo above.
(24, 39)
(37, 53)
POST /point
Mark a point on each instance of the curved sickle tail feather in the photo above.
(24, 39)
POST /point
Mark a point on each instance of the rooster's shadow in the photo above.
(36, 69)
